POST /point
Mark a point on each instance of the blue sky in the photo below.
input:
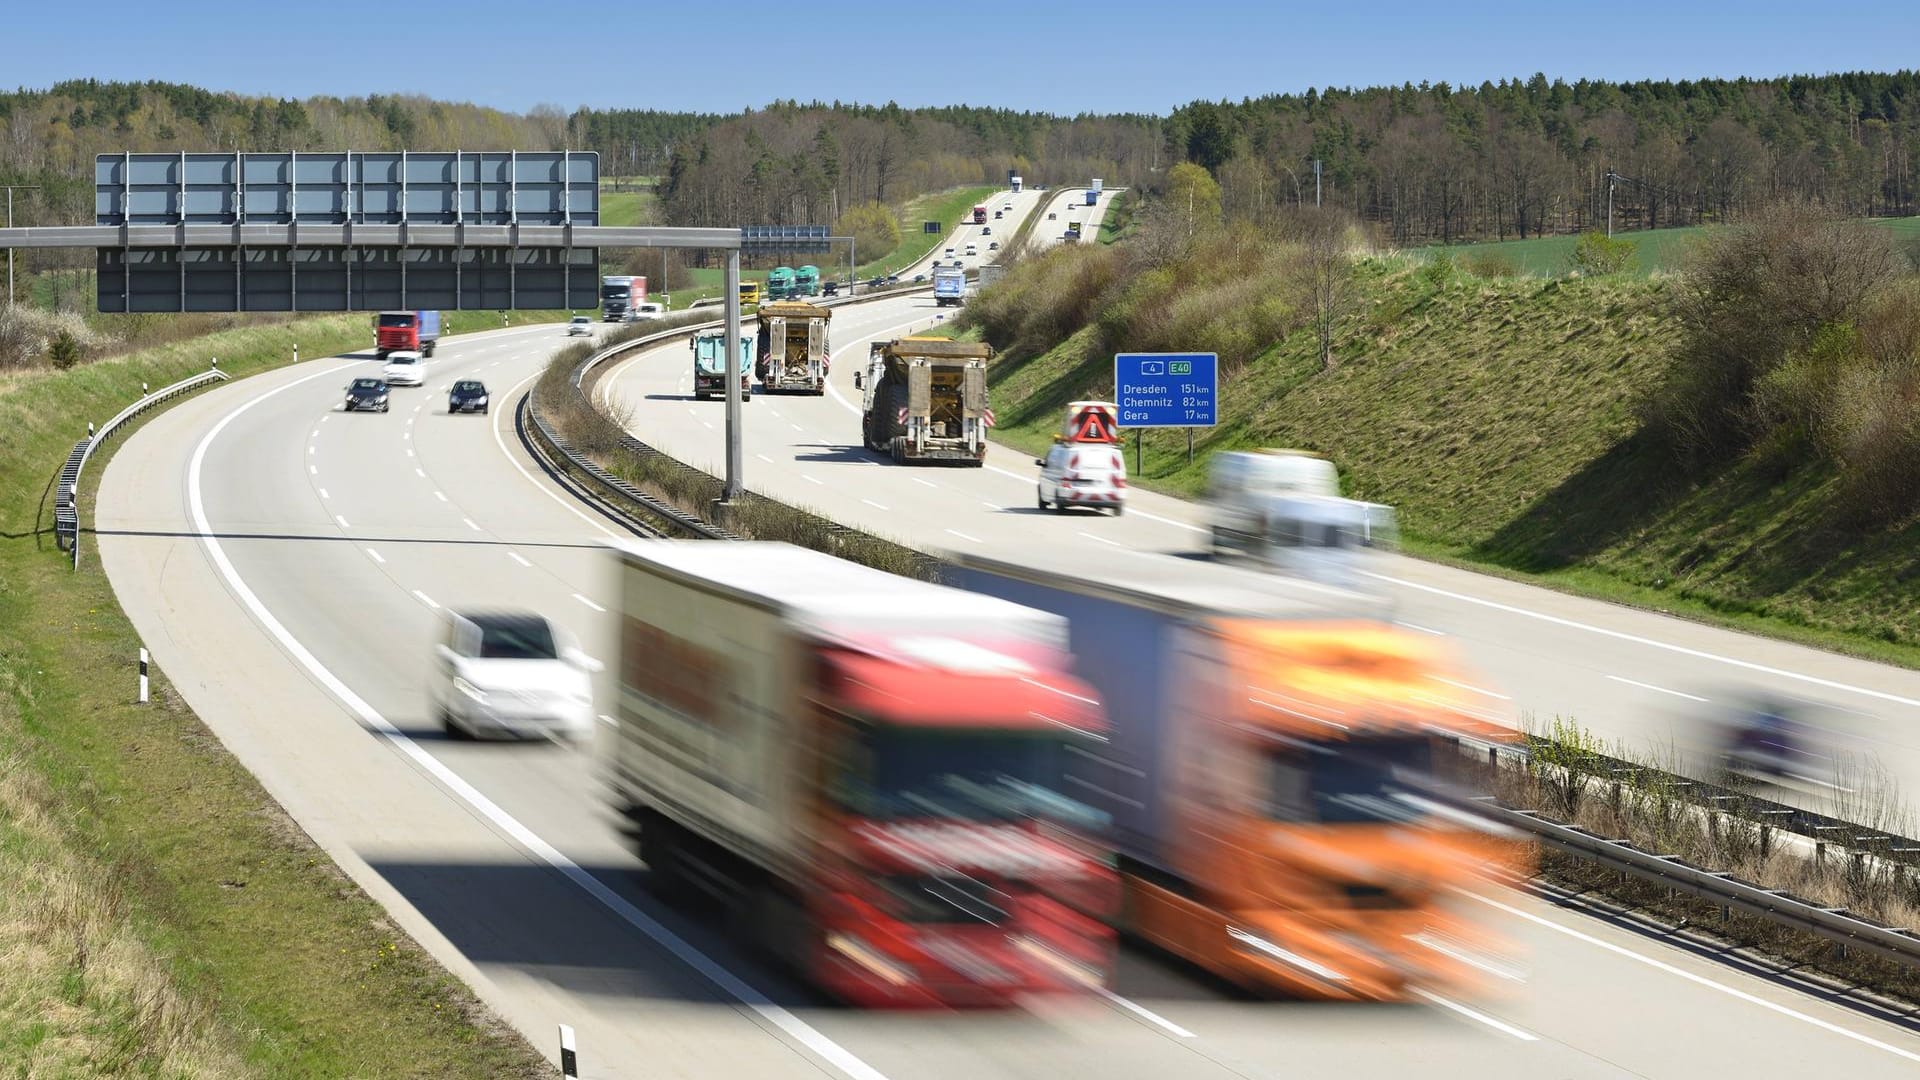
(1046, 55)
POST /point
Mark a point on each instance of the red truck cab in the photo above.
(979, 215)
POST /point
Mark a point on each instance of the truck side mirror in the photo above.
(1040, 461)
(857, 381)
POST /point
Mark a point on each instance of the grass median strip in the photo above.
(164, 916)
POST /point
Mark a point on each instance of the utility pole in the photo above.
(11, 188)
(734, 482)
(1610, 179)
(1316, 183)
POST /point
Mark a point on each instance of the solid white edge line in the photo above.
(538, 486)
(1698, 654)
(425, 599)
(1474, 1014)
(1701, 980)
(1469, 686)
(1422, 629)
(875, 505)
(588, 602)
(964, 536)
(1655, 689)
(1144, 1013)
(799, 1030)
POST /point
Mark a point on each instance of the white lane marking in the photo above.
(609, 721)
(1700, 980)
(1655, 689)
(808, 479)
(316, 434)
(1474, 1014)
(324, 419)
(425, 599)
(764, 458)
(707, 425)
(409, 451)
(1102, 539)
(964, 536)
(1423, 629)
(342, 521)
(795, 426)
(873, 504)
(1144, 1013)
(313, 470)
(313, 450)
(516, 557)
(691, 411)
(470, 524)
(408, 435)
(588, 602)
(1468, 686)
(504, 452)
(419, 472)
(925, 483)
(775, 412)
(1698, 654)
(441, 495)
(416, 408)
(375, 556)
(992, 506)
(323, 494)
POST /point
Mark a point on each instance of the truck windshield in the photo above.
(615, 292)
(1355, 782)
(400, 320)
(989, 776)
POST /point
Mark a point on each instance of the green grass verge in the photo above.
(626, 207)
(944, 207)
(169, 859)
(1503, 419)
(1117, 221)
(1656, 250)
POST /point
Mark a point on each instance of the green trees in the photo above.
(873, 227)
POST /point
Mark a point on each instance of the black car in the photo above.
(831, 288)
(467, 395)
(370, 394)
(876, 282)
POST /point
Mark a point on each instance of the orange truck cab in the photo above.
(1271, 774)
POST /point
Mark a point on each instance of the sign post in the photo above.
(1177, 390)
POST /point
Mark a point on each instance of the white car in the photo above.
(406, 369)
(579, 326)
(973, 249)
(647, 311)
(512, 674)
(1087, 474)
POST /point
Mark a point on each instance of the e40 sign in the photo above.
(1166, 389)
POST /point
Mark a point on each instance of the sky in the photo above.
(1046, 55)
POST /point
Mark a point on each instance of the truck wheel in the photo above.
(898, 448)
(1119, 508)
(660, 843)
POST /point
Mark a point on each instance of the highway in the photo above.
(1021, 202)
(1068, 202)
(287, 564)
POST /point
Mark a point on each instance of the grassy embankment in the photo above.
(1502, 417)
(162, 916)
(1656, 250)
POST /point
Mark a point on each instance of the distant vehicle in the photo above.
(925, 400)
(366, 395)
(1052, 216)
(780, 283)
(1092, 197)
(467, 395)
(1015, 183)
(877, 282)
(749, 293)
(405, 369)
(806, 282)
(619, 294)
(405, 331)
(648, 312)
(949, 253)
(972, 249)
(579, 326)
(995, 246)
(979, 215)
(919, 278)
(893, 279)
(710, 365)
(986, 230)
(831, 288)
(512, 674)
(996, 215)
(1085, 466)
(948, 286)
(793, 347)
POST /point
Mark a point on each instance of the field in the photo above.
(162, 916)
(1657, 250)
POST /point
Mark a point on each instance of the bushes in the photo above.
(1596, 253)
(1487, 264)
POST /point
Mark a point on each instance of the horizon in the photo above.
(1209, 54)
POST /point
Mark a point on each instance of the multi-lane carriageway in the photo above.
(288, 564)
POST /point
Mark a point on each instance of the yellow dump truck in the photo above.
(793, 347)
(925, 399)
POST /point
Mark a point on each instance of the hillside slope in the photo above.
(1502, 418)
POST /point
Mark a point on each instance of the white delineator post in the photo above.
(143, 676)
(569, 1061)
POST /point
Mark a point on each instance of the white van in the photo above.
(1325, 539)
(1087, 474)
(1241, 482)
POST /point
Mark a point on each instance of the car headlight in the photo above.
(478, 695)
(481, 400)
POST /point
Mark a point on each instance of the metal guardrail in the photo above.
(1774, 905)
(66, 506)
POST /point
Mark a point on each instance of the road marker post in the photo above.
(569, 1061)
(143, 676)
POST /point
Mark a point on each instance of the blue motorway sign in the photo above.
(1166, 389)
